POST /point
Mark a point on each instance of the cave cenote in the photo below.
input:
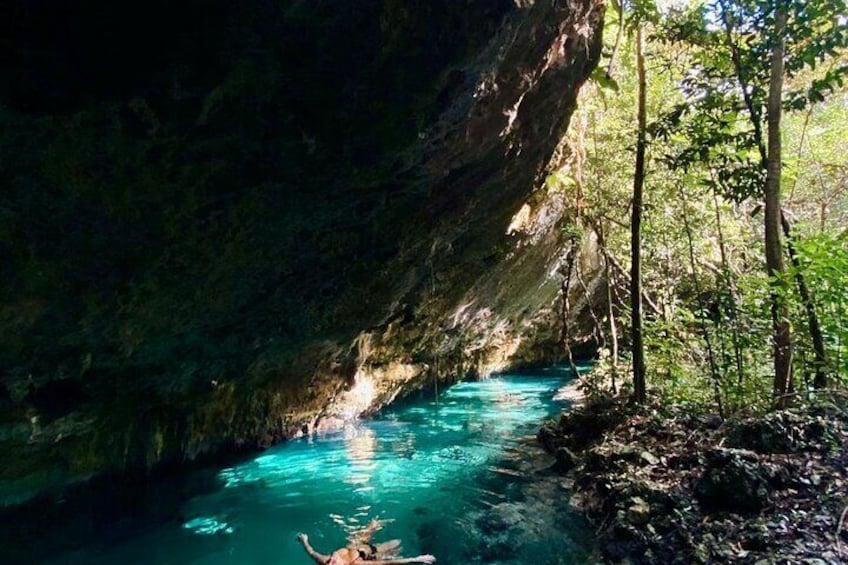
(226, 226)
(459, 477)
(270, 269)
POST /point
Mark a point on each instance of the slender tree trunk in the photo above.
(566, 306)
(753, 110)
(807, 119)
(812, 318)
(598, 330)
(620, 270)
(705, 333)
(773, 246)
(638, 350)
(618, 37)
(613, 332)
(731, 292)
(773, 165)
(809, 305)
(612, 300)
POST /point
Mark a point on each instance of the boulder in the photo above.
(550, 437)
(565, 460)
(733, 481)
(639, 512)
(780, 432)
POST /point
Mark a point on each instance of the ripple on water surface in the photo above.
(459, 478)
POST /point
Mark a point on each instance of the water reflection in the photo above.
(361, 445)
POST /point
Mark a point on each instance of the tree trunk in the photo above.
(731, 295)
(756, 121)
(753, 109)
(612, 301)
(618, 37)
(705, 333)
(773, 246)
(613, 331)
(638, 351)
(810, 307)
(565, 288)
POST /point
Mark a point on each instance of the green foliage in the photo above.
(824, 262)
(604, 80)
(708, 327)
(728, 45)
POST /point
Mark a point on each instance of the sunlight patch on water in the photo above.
(207, 526)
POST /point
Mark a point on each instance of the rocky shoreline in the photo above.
(668, 485)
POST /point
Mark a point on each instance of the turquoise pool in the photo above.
(458, 476)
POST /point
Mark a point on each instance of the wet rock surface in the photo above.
(664, 485)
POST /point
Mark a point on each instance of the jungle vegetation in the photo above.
(707, 159)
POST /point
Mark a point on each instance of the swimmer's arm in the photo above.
(319, 558)
(419, 559)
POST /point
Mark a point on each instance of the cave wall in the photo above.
(227, 224)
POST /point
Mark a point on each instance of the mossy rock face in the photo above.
(197, 233)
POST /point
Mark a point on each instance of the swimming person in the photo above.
(360, 550)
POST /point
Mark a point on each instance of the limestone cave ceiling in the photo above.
(218, 216)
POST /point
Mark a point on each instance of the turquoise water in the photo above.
(459, 477)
